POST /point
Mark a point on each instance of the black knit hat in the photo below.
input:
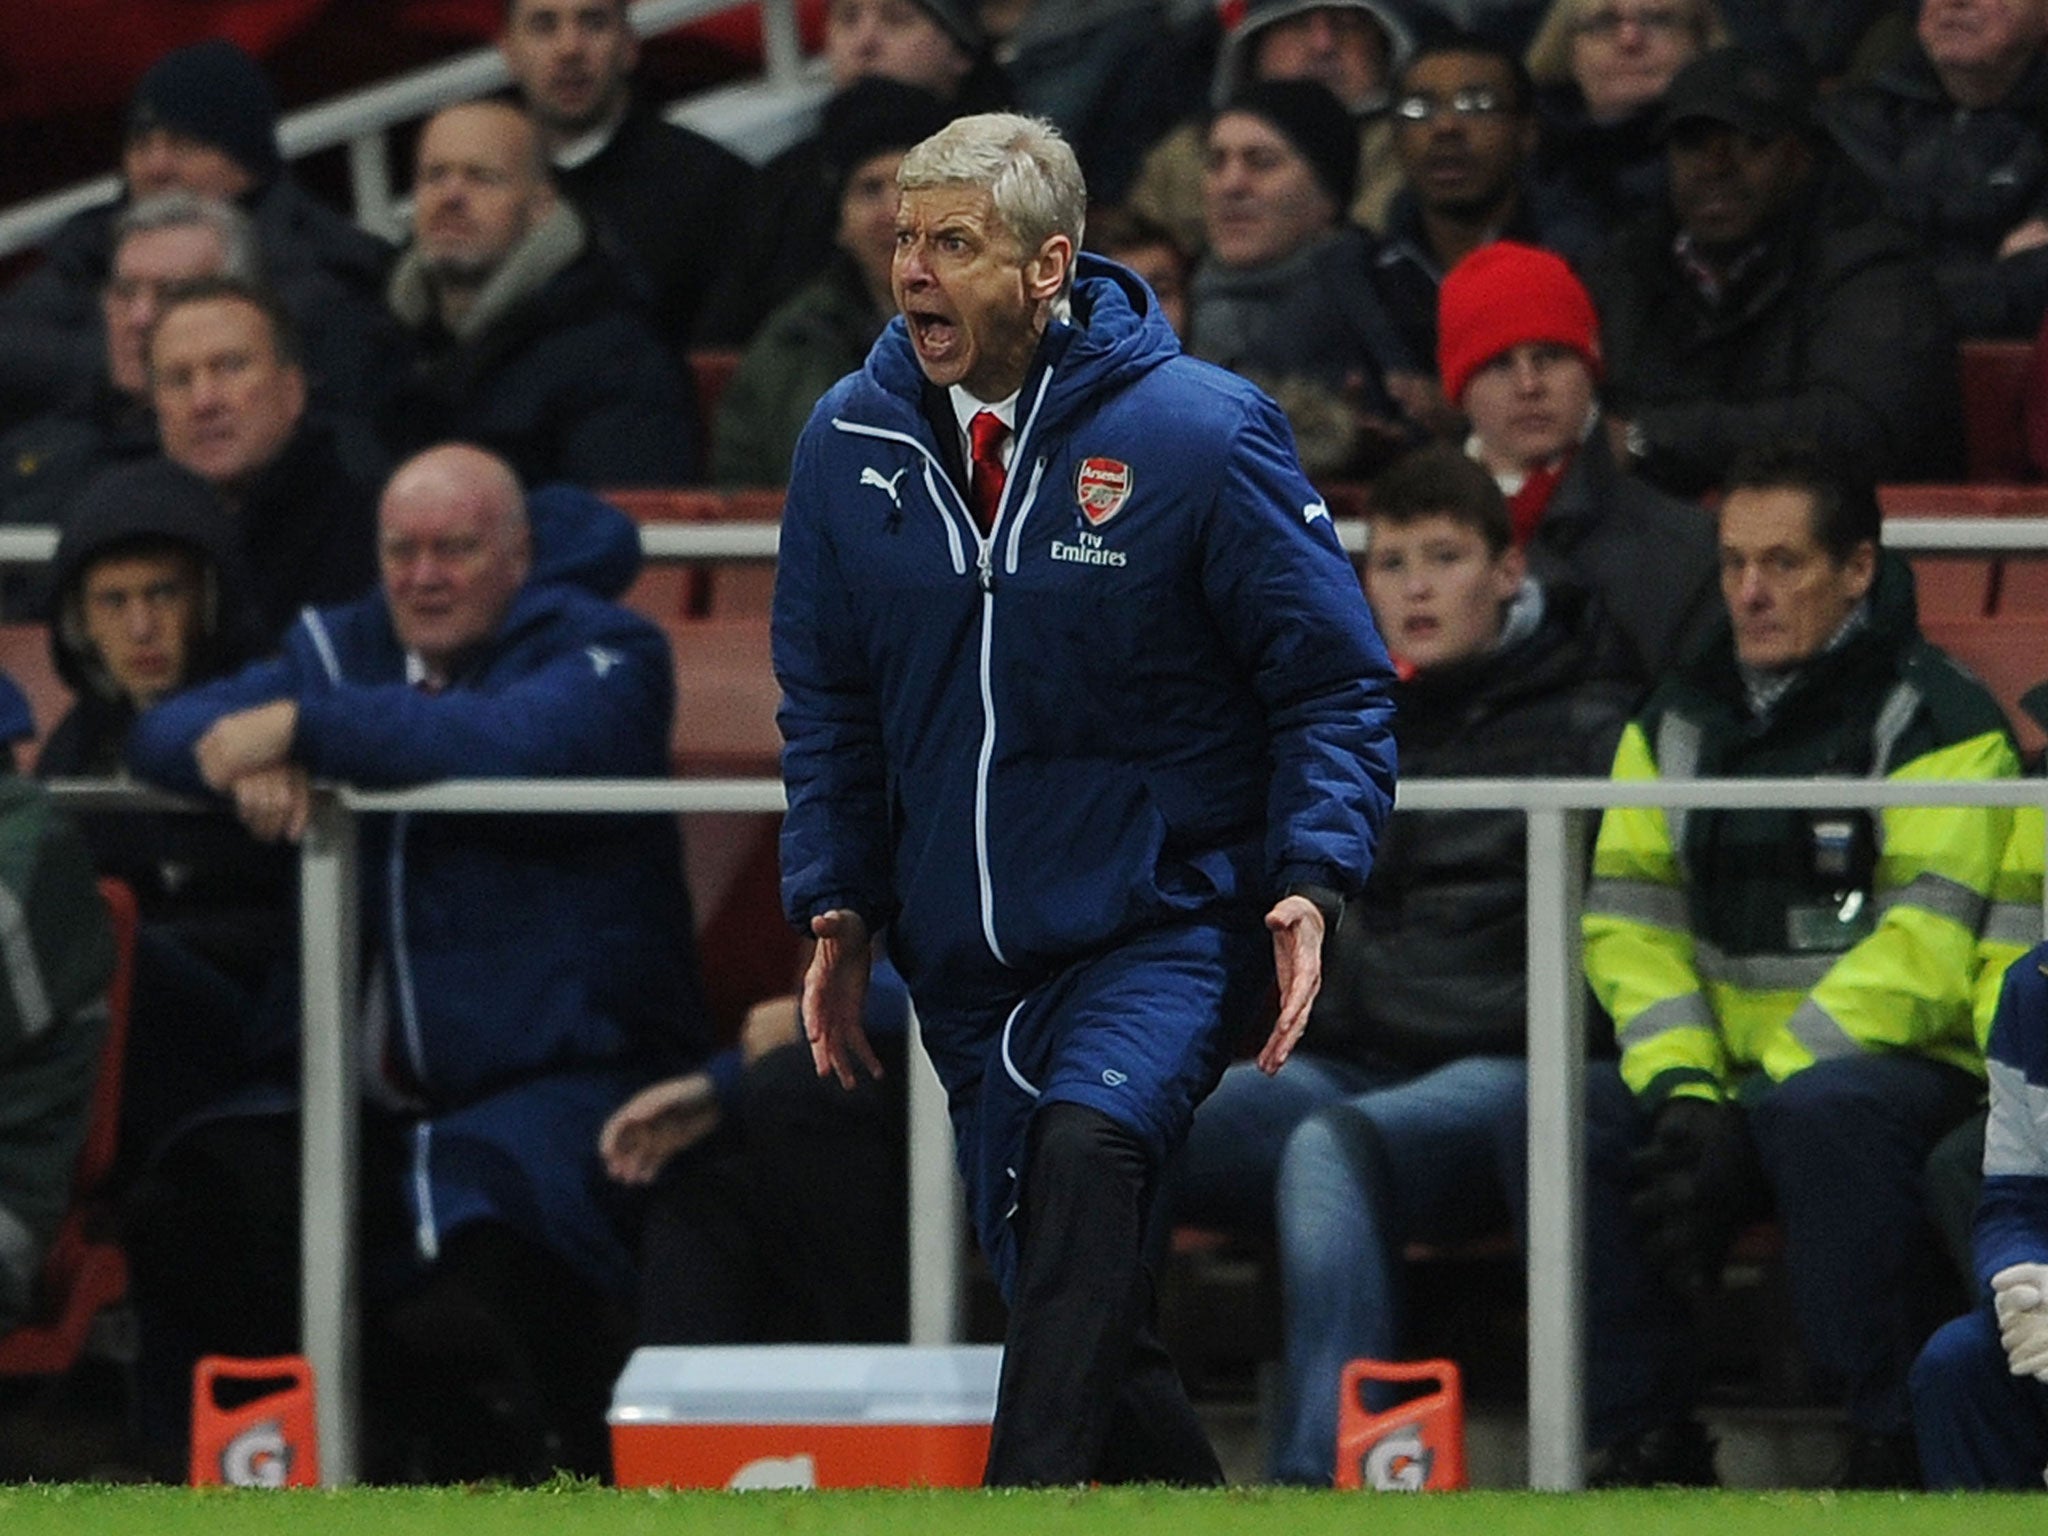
(216, 93)
(1315, 123)
(960, 22)
(873, 116)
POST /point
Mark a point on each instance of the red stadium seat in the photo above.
(711, 369)
(1993, 377)
(707, 589)
(2009, 654)
(1963, 586)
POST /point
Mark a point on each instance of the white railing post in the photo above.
(369, 181)
(936, 1224)
(1557, 1151)
(328, 1153)
(781, 49)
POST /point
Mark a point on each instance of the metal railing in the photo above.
(361, 119)
(756, 541)
(1558, 819)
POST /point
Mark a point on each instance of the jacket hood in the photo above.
(582, 540)
(153, 500)
(1117, 333)
(1231, 71)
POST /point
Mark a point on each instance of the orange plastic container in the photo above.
(804, 1416)
(269, 1441)
(1414, 1448)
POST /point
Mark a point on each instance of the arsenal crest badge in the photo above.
(1102, 487)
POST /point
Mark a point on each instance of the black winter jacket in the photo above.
(569, 383)
(669, 199)
(1648, 559)
(1429, 962)
(1836, 335)
(309, 521)
(1960, 180)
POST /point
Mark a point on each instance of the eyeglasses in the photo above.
(1665, 20)
(1473, 101)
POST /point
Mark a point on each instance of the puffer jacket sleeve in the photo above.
(161, 745)
(835, 833)
(2012, 1216)
(599, 706)
(1285, 593)
(1639, 951)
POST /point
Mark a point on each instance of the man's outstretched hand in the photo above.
(835, 993)
(1297, 927)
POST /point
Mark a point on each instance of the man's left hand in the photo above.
(275, 804)
(1298, 964)
(656, 1123)
(246, 741)
(2027, 235)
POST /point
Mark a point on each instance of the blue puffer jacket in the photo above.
(538, 968)
(1154, 695)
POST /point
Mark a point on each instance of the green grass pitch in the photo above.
(574, 1510)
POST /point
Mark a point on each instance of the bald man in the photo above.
(521, 985)
(527, 338)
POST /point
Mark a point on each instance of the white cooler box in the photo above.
(804, 1416)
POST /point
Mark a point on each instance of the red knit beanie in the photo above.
(1503, 296)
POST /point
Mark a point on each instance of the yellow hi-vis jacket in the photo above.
(1707, 936)
(2012, 925)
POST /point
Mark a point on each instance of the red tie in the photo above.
(987, 432)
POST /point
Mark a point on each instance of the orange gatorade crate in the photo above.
(804, 1416)
(269, 1439)
(1415, 1447)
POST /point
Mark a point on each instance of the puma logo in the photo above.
(873, 476)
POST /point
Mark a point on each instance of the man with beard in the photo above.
(529, 340)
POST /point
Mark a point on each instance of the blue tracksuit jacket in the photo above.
(1149, 701)
(536, 969)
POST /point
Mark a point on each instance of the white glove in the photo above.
(2019, 1297)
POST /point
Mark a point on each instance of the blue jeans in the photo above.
(1224, 1175)
(1443, 1157)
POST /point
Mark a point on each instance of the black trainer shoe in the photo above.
(1675, 1454)
(1878, 1461)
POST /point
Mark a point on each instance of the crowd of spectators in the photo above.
(1545, 270)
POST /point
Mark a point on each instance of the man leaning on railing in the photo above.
(528, 973)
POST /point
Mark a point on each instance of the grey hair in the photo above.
(242, 256)
(1028, 168)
